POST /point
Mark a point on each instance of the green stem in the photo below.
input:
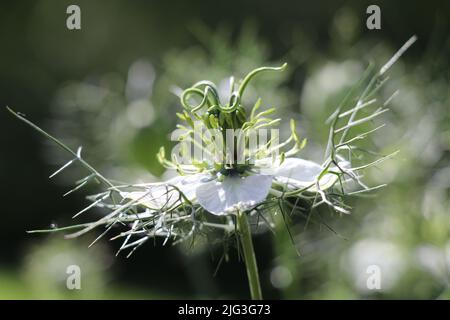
(249, 256)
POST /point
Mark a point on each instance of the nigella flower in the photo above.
(218, 193)
(224, 188)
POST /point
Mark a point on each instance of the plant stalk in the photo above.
(249, 256)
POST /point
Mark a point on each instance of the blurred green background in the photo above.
(108, 87)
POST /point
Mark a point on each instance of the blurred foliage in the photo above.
(51, 260)
(404, 229)
(117, 116)
(110, 88)
(45, 272)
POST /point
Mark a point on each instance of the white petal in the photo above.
(188, 184)
(159, 195)
(233, 193)
(301, 173)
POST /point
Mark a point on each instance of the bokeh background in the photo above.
(108, 88)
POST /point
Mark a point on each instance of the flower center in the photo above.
(236, 170)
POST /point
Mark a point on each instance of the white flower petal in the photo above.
(159, 195)
(301, 173)
(233, 193)
(188, 184)
(299, 169)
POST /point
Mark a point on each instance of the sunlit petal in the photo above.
(234, 193)
(166, 194)
(300, 173)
